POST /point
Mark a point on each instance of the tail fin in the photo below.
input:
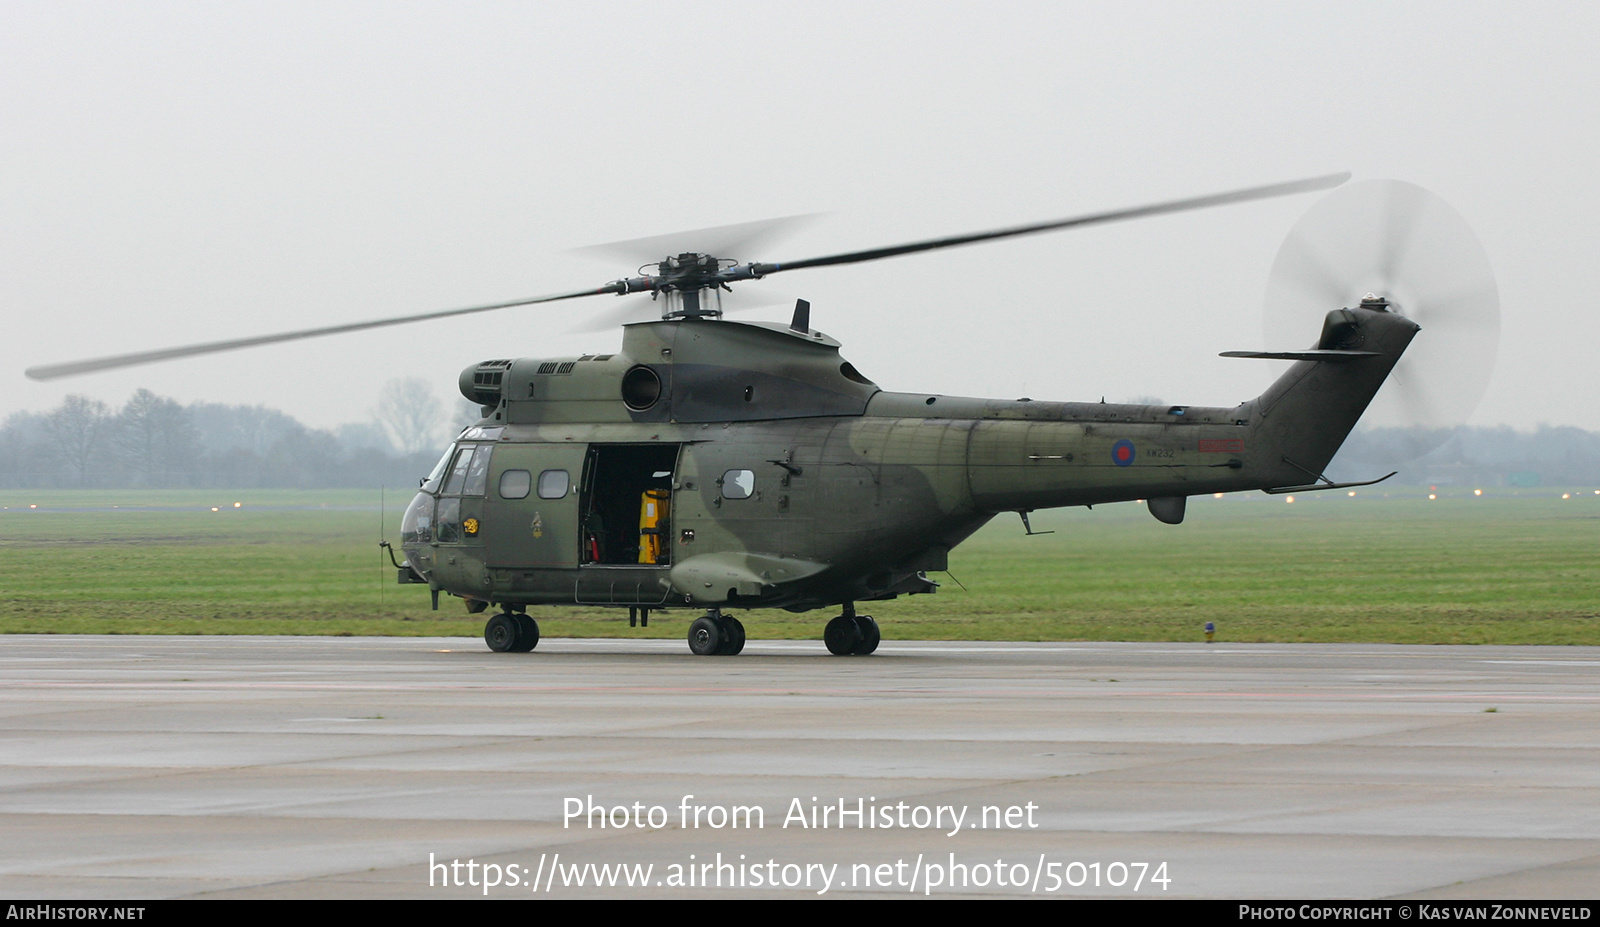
(1303, 418)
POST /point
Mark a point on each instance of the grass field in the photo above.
(1508, 567)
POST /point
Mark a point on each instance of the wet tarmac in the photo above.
(144, 767)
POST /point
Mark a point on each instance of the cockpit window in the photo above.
(478, 472)
(469, 474)
(417, 525)
(447, 527)
(458, 470)
(431, 484)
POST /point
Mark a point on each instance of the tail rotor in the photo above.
(1398, 241)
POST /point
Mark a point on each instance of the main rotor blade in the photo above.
(1154, 209)
(53, 371)
(725, 241)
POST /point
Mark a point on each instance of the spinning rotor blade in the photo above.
(1401, 242)
(1154, 209)
(708, 270)
(721, 240)
(52, 371)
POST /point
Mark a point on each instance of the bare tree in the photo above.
(80, 431)
(157, 440)
(411, 414)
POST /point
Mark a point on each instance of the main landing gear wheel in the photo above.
(868, 626)
(716, 634)
(733, 636)
(851, 635)
(501, 633)
(527, 634)
(842, 635)
(707, 635)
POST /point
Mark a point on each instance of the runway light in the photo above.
(33, 506)
(1218, 495)
(214, 508)
(1566, 495)
(237, 504)
(1290, 499)
(1431, 496)
(1352, 493)
(1477, 492)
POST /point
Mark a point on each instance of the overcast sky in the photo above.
(174, 173)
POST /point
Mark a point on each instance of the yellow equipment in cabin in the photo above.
(652, 524)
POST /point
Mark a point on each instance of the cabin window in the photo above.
(738, 484)
(514, 484)
(553, 484)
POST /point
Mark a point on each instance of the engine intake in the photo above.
(481, 383)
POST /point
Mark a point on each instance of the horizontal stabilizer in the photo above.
(1314, 487)
(1314, 355)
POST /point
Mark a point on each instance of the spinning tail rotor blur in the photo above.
(1397, 241)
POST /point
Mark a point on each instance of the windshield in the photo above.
(431, 484)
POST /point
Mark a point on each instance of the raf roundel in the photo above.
(1122, 453)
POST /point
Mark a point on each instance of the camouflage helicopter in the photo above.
(721, 465)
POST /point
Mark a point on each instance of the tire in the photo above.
(842, 636)
(705, 636)
(870, 637)
(501, 633)
(527, 634)
(733, 632)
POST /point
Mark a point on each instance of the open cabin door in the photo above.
(625, 523)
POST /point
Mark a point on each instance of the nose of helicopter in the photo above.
(416, 530)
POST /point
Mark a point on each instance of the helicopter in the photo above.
(718, 465)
